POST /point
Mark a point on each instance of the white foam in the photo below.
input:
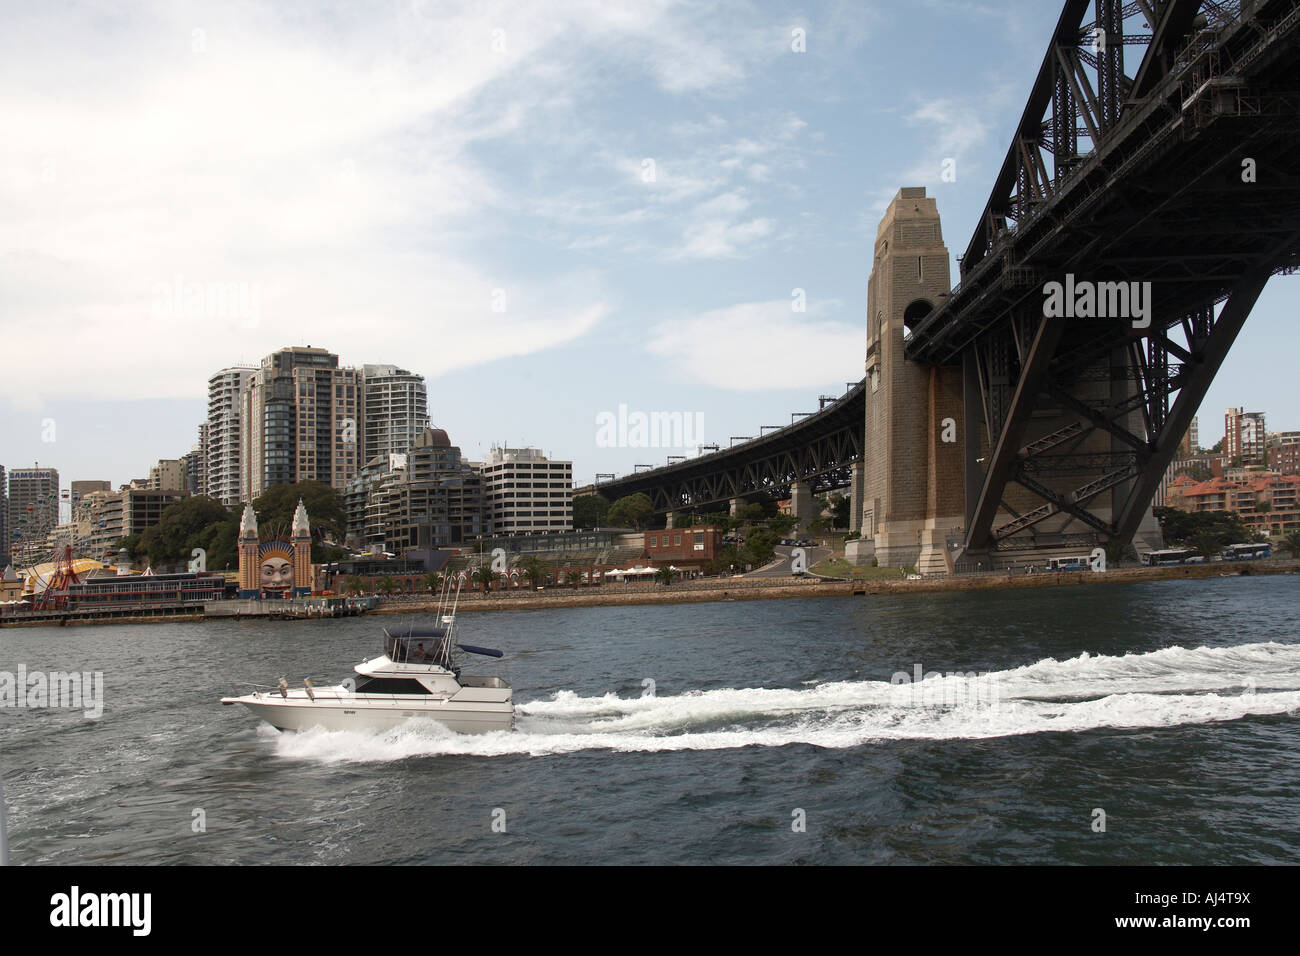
(1158, 689)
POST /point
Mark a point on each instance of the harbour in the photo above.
(1171, 706)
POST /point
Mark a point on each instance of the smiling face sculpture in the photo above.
(275, 559)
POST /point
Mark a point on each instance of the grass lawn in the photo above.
(839, 568)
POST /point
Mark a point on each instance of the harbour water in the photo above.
(767, 732)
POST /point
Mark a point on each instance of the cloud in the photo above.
(326, 172)
(762, 346)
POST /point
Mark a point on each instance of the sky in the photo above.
(556, 212)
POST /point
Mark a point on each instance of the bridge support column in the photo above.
(736, 505)
(670, 520)
(857, 475)
(802, 504)
(914, 442)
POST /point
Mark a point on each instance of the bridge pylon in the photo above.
(913, 494)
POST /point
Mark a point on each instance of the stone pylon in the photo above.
(913, 496)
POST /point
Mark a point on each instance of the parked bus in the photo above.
(1246, 552)
(1077, 563)
(1171, 556)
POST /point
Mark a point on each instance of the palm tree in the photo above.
(574, 578)
(486, 575)
(1290, 544)
(355, 584)
(534, 570)
(665, 575)
(387, 584)
(433, 582)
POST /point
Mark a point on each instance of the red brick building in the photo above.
(690, 548)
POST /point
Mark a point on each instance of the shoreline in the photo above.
(738, 589)
(778, 588)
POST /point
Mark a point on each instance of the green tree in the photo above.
(1117, 552)
(276, 506)
(574, 578)
(188, 524)
(433, 582)
(356, 585)
(782, 524)
(1290, 543)
(752, 512)
(631, 511)
(665, 575)
(387, 585)
(759, 546)
(840, 506)
(485, 576)
(535, 570)
(590, 511)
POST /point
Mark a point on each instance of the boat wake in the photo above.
(1163, 688)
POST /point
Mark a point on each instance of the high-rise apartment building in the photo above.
(169, 475)
(33, 509)
(300, 421)
(524, 492)
(221, 435)
(4, 519)
(395, 410)
(1244, 437)
(436, 501)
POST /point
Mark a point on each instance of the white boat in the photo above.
(416, 676)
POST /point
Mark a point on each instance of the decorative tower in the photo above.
(301, 540)
(249, 586)
(913, 491)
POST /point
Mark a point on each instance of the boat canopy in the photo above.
(418, 646)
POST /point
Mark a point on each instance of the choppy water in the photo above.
(1172, 706)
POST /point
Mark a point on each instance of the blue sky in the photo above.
(549, 210)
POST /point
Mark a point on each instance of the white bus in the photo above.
(1246, 552)
(1171, 556)
(1077, 563)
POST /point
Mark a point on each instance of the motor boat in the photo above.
(417, 675)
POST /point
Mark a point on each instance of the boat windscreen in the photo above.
(416, 650)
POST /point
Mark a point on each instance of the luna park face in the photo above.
(277, 574)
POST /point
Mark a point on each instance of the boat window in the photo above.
(389, 685)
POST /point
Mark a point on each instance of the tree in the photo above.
(1290, 543)
(752, 512)
(631, 511)
(276, 506)
(535, 570)
(485, 575)
(387, 585)
(840, 506)
(590, 511)
(665, 575)
(574, 578)
(188, 524)
(1117, 552)
(1217, 449)
(433, 582)
(760, 546)
(355, 584)
(782, 524)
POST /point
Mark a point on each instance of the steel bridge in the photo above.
(1181, 173)
(1183, 176)
(819, 449)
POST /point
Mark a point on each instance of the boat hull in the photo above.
(463, 717)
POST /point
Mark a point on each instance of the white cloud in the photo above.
(331, 165)
(762, 346)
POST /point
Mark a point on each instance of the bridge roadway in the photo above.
(817, 451)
